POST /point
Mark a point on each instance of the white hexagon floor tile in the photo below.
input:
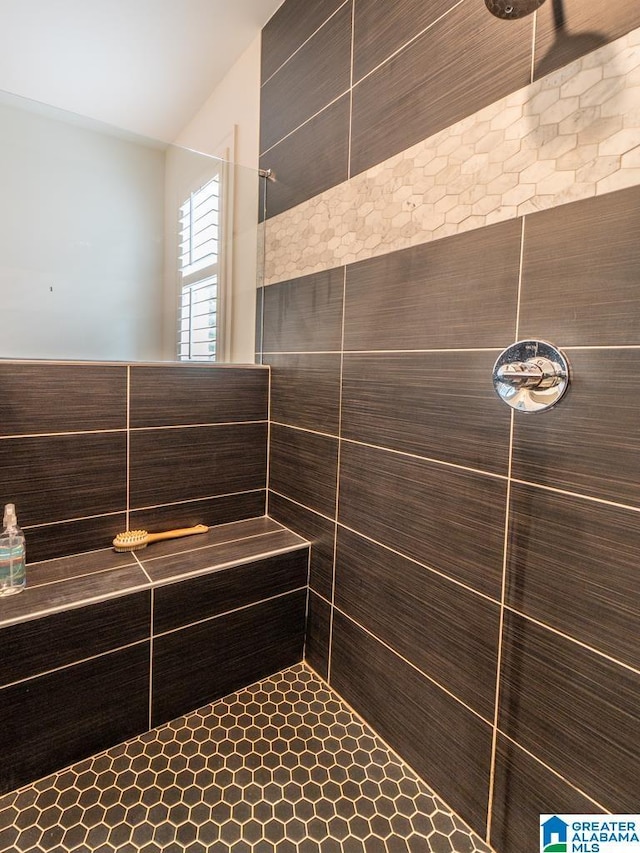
(280, 767)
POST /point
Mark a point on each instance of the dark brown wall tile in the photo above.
(186, 394)
(318, 530)
(312, 159)
(443, 741)
(184, 464)
(50, 478)
(53, 641)
(201, 561)
(65, 716)
(293, 23)
(189, 601)
(381, 28)
(305, 314)
(437, 295)
(303, 467)
(451, 520)
(439, 405)
(40, 597)
(211, 512)
(451, 71)
(564, 549)
(316, 652)
(49, 541)
(196, 665)
(574, 710)
(525, 789)
(588, 24)
(316, 75)
(305, 390)
(590, 443)
(580, 272)
(62, 398)
(75, 566)
(447, 632)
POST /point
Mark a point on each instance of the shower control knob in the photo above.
(531, 376)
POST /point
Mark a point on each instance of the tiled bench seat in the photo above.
(103, 646)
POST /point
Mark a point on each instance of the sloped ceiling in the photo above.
(143, 65)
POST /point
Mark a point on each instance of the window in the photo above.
(200, 273)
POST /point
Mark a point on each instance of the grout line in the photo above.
(151, 660)
(534, 33)
(267, 473)
(503, 593)
(381, 352)
(61, 521)
(613, 347)
(74, 663)
(118, 430)
(505, 557)
(338, 460)
(579, 495)
(233, 610)
(307, 606)
(197, 426)
(306, 41)
(197, 500)
(350, 131)
(555, 772)
(403, 453)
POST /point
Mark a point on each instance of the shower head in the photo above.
(511, 9)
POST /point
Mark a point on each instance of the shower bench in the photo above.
(103, 646)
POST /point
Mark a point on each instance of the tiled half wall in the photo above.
(473, 574)
(89, 450)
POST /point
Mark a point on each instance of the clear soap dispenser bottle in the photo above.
(13, 576)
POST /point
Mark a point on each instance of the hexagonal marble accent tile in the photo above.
(568, 136)
(280, 767)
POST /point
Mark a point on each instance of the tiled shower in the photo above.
(444, 183)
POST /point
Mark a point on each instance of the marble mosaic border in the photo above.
(572, 135)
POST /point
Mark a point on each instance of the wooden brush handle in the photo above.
(176, 534)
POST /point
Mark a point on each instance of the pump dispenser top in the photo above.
(10, 519)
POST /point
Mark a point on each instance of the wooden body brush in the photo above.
(133, 540)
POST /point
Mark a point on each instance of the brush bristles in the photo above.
(130, 540)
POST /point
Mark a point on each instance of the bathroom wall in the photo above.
(88, 450)
(80, 204)
(447, 183)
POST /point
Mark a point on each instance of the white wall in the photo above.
(81, 235)
(227, 126)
